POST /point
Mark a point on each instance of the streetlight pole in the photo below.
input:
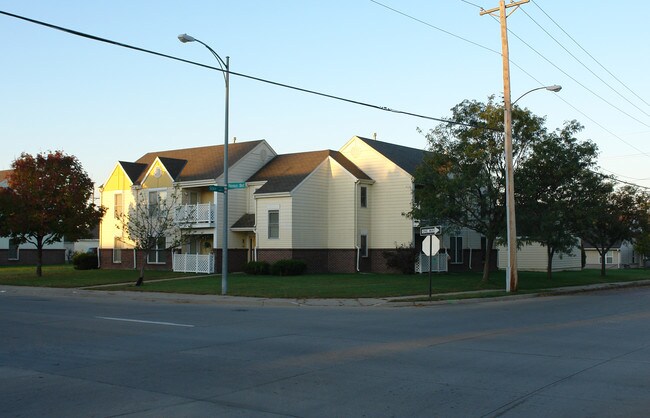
(226, 76)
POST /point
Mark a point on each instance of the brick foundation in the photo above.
(29, 257)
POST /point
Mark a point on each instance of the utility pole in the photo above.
(511, 269)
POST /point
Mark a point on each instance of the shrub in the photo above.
(85, 261)
(402, 259)
(288, 267)
(257, 267)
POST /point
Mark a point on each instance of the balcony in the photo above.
(200, 215)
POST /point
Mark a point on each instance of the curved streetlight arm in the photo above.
(554, 88)
(185, 38)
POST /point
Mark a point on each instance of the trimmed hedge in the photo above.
(85, 261)
(257, 267)
(288, 268)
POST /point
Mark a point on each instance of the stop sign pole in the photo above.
(430, 233)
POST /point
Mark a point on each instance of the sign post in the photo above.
(430, 243)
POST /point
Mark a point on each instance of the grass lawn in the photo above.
(65, 275)
(378, 285)
(308, 286)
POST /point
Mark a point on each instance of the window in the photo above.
(117, 250)
(363, 245)
(609, 258)
(364, 197)
(13, 250)
(118, 206)
(158, 255)
(274, 224)
(155, 200)
(456, 250)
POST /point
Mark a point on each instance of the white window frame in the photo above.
(273, 226)
(456, 256)
(155, 254)
(118, 210)
(363, 197)
(609, 258)
(117, 250)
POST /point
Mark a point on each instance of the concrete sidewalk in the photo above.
(415, 300)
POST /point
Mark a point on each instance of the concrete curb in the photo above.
(389, 302)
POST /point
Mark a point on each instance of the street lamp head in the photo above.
(554, 88)
(184, 38)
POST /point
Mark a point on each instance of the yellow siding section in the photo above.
(118, 180)
(110, 227)
(153, 182)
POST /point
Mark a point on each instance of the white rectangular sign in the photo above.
(430, 230)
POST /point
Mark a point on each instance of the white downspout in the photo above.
(356, 224)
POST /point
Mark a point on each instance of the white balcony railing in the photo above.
(200, 214)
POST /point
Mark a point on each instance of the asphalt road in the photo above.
(98, 354)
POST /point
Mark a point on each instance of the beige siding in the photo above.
(341, 204)
(284, 205)
(389, 196)
(532, 257)
(310, 209)
(239, 202)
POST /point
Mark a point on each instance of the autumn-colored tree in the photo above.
(49, 196)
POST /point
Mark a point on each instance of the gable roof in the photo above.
(200, 163)
(284, 172)
(133, 170)
(404, 157)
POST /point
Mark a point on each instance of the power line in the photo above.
(575, 80)
(516, 65)
(250, 77)
(383, 108)
(591, 56)
(584, 65)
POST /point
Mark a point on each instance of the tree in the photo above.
(154, 226)
(461, 181)
(620, 215)
(49, 197)
(555, 186)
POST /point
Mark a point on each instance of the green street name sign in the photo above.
(215, 188)
(241, 185)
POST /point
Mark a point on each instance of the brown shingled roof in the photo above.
(201, 163)
(405, 157)
(4, 174)
(285, 172)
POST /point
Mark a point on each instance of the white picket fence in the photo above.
(438, 263)
(193, 263)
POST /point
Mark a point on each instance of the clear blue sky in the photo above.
(103, 103)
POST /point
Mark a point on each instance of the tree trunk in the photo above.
(602, 265)
(39, 257)
(489, 242)
(141, 278)
(549, 262)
